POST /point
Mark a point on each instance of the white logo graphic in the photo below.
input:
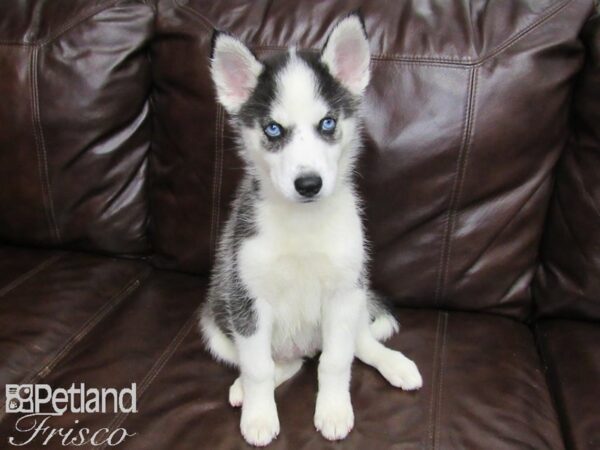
(19, 398)
(39, 403)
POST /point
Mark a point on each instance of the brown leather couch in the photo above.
(481, 179)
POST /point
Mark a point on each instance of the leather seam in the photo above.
(441, 381)
(579, 180)
(552, 377)
(436, 349)
(375, 61)
(569, 228)
(207, 24)
(42, 168)
(550, 12)
(18, 281)
(46, 367)
(77, 20)
(44, 154)
(156, 368)
(450, 217)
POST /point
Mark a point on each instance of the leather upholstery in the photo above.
(456, 173)
(570, 353)
(475, 390)
(568, 281)
(74, 84)
(111, 142)
(51, 303)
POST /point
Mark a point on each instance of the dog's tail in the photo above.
(217, 343)
(383, 323)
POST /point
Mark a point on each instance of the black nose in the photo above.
(308, 185)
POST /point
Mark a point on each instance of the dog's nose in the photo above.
(308, 185)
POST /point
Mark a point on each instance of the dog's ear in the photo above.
(346, 53)
(234, 70)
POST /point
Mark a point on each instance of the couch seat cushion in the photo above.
(570, 353)
(109, 323)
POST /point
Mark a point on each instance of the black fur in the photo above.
(256, 110)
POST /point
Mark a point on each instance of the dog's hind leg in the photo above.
(283, 372)
(393, 365)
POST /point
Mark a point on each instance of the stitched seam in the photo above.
(69, 25)
(441, 382)
(157, 367)
(461, 179)
(436, 348)
(41, 142)
(579, 245)
(535, 23)
(579, 180)
(459, 171)
(77, 21)
(376, 62)
(83, 331)
(556, 395)
(207, 24)
(34, 119)
(29, 274)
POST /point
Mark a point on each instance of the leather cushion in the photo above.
(483, 382)
(570, 353)
(483, 387)
(52, 301)
(466, 116)
(75, 123)
(568, 279)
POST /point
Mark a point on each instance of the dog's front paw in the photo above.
(334, 416)
(260, 424)
(401, 372)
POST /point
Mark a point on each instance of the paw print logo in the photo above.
(19, 398)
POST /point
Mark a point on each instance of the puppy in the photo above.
(290, 277)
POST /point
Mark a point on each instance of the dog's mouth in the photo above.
(309, 200)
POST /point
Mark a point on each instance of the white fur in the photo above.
(259, 423)
(384, 327)
(400, 371)
(283, 372)
(296, 265)
(219, 345)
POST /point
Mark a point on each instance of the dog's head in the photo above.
(296, 112)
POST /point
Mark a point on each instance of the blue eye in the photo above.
(327, 125)
(273, 130)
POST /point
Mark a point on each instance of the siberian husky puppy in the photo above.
(290, 277)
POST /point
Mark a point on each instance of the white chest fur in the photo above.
(302, 254)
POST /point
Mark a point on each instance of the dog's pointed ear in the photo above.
(235, 71)
(346, 53)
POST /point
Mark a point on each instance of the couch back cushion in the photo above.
(467, 113)
(74, 123)
(568, 280)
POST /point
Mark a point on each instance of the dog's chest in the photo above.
(295, 262)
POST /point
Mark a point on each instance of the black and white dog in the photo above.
(290, 277)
